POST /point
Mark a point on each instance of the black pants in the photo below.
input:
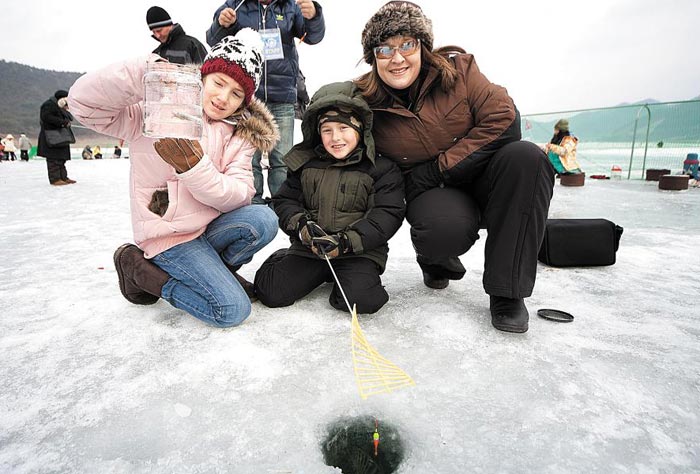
(284, 278)
(510, 199)
(24, 155)
(57, 170)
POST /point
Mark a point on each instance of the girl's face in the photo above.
(222, 96)
(398, 65)
(339, 139)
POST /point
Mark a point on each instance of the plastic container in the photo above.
(172, 101)
(616, 172)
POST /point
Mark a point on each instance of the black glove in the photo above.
(308, 230)
(331, 245)
(422, 178)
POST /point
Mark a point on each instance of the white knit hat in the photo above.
(239, 57)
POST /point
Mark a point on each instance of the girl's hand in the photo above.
(180, 153)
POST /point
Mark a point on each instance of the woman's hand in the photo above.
(180, 153)
(422, 178)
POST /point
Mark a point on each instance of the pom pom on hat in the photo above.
(239, 57)
(157, 17)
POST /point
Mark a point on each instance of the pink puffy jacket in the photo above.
(109, 101)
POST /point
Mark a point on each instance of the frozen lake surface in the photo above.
(91, 383)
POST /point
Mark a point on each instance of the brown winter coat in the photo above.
(462, 128)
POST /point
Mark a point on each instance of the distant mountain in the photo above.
(22, 91)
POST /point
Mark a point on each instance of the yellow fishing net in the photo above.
(374, 373)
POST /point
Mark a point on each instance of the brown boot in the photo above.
(140, 281)
(59, 182)
(70, 181)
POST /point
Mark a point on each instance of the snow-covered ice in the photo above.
(91, 383)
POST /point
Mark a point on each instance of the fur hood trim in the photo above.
(257, 125)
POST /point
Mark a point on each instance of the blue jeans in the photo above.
(200, 283)
(284, 116)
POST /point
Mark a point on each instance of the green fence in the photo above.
(634, 137)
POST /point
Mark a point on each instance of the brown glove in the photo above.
(181, 153)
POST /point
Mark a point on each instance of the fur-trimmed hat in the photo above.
(157, 17)
(239, 57)
(396, 18)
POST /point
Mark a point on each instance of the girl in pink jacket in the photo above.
(190, 201)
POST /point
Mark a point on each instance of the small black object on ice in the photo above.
(555, 315)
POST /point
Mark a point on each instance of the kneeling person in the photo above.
(339, 200)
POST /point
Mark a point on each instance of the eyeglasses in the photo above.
(407, 48)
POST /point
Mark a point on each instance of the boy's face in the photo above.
(339, 139)
(222, 96)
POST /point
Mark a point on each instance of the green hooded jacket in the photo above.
(361, 195)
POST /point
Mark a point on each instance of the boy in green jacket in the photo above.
(339, 200)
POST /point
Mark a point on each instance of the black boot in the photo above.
(437, 272)
(140, 280)
(508, 314)
(435, 282)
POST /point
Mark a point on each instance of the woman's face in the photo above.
(222, 96)
(398, 61)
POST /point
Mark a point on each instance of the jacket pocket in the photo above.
(172, 200)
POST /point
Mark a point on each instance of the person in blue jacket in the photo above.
(279, 22)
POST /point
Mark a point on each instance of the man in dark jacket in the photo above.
(279, 22)
(175, 45)
(339, 192)
(54, 115)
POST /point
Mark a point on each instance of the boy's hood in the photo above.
(335, 94)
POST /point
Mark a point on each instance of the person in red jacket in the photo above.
(456, 136)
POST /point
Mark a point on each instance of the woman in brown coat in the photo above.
(456, 137)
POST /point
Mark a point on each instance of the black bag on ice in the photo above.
(580, 243)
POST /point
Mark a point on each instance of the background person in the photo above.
(24, 146)
(561, 149)
(281, 21)
(87, 153)
(9, 143)
(456, 136)
(175, 46)
(52, 116)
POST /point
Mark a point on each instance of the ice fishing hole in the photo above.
(349, 446)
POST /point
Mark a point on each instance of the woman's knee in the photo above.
(521, 154)
(448, 226)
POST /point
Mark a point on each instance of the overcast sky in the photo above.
(550, 55)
